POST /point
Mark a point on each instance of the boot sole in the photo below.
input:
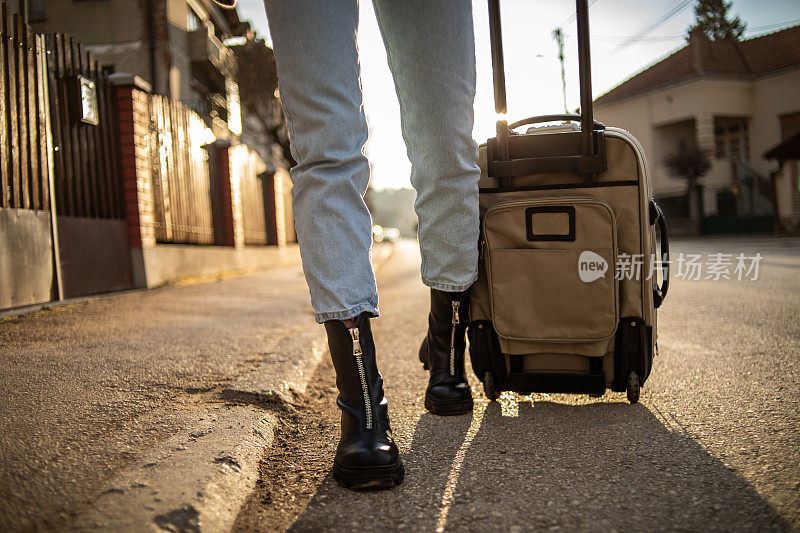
(448, 407)
(443, 407)
(369, 478)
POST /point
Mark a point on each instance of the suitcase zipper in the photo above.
(456, 321)
(362, 375)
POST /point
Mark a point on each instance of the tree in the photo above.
(258, 82)
(690, 163)
(712, 19)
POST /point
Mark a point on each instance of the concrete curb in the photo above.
(286, 372)
(198, 479)
(194, 481)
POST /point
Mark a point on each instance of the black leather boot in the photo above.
(442, 352)
(367, 456)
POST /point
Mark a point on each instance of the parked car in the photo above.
(381, 234)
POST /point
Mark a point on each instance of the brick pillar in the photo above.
(227, 200)
(133, 119)
(704, 130)
(273, 207)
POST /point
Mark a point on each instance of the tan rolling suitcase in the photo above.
(568, 286)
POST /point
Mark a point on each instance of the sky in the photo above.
(533, 72)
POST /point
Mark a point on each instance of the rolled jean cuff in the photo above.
(346, 314)
(449, 287)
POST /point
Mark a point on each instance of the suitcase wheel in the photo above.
(488, 386)
(633, 386)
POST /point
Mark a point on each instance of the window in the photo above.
(790, 124)
(721, 142)
(735, 142)
(732, 139)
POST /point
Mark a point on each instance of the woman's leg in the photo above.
(431, 49)
(315, 50)
(320, 89)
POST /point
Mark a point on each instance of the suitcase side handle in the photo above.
(657, 217)
(584, 67)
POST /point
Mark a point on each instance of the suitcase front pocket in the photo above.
(550, 267)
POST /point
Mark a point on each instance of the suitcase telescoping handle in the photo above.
(584, 66)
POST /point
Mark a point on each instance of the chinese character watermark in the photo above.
(684, 266)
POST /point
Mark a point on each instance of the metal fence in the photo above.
(180, 173)
(51, 132)
(23, 116)
(248, 167)
(39, 88)
(86, 173)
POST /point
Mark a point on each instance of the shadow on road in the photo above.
(562, 461)
(598, 466)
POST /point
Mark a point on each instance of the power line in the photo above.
(572, 17)
(665, 38)
(654, 39)
(672, 10)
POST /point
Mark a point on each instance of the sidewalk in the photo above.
(150, 409)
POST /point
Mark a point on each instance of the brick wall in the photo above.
(226, 171)
(134, 137)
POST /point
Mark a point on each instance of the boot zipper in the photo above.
(456, 321)
(362, 375)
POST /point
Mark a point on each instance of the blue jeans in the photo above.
(430, 45)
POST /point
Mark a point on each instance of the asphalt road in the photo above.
(714, 443)
(91, 387)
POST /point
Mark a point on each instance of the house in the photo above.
(177, 46)
(738, 100)
(785, 179)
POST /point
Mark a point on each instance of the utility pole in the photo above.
(558, 35)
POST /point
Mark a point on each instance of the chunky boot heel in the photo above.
(442, 352)
(367, 456)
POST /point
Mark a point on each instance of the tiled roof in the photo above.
(702, 57)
